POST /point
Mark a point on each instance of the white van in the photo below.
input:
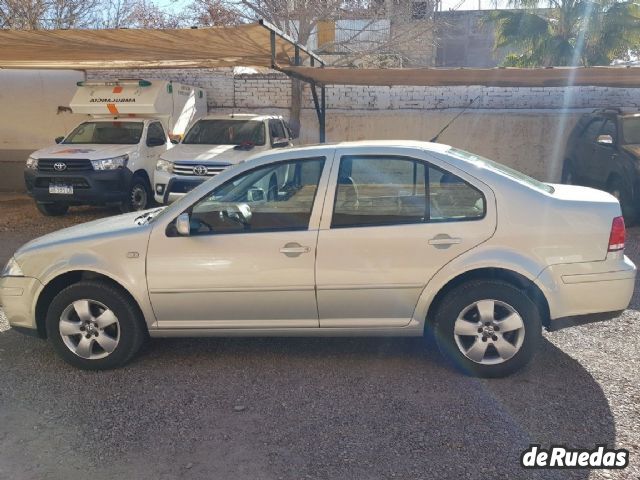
(111, 157)
(212, 144)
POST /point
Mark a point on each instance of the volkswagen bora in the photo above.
(376, 238)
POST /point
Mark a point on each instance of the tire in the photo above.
(139, 196)
(617, 188)
(81, 327)
(568, 175)
(52, 209)
(458, 327)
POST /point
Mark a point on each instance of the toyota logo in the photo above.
(59, 166)
(200, 170)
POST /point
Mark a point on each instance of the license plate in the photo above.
(61, 189)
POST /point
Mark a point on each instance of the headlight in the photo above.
(12, 269)
(110, 163)
(164, 166)
(32, 163)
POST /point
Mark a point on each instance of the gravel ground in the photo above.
(309, 408)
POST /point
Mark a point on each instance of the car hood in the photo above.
(207, 153)
(95, 231)
(90, 151)
(633, 150)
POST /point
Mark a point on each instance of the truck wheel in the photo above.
(488, 328)
(52, 209)
(94, 326)
(139, 196)
(618, 190)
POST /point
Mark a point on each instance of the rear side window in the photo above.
(276, 130)
(398, 190)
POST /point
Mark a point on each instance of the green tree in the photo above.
(568, 32)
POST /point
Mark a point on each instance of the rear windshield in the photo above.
(108, 133)
(631, 130)
(226, 132)
(500, 168)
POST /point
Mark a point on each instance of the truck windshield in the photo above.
(120, 133)
(631, 130)
(226, 132)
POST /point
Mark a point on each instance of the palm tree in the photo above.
(568, 32)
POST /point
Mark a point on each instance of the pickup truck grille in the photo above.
(189, 169)
(44, 182)
(71, 165)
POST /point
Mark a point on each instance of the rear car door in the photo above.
(391, 221)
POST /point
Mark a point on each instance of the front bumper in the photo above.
(17, 296)
(89, 187)
(592, 290)
(169, 187)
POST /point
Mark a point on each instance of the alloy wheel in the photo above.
(89, 329)
(489, 332)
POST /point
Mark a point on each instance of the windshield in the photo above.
(226, 132)
(498, 167)
(631, 129)
(108, 133)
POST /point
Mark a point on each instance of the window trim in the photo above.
(189, 209)
(428, 220)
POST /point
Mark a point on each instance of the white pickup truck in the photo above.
(111, 157)
(212, 144)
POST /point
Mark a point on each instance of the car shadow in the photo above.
(323, 408)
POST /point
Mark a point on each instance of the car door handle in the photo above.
(294, 249)
(444, 240)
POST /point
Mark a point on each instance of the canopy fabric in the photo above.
(492, 77)
(244, 45)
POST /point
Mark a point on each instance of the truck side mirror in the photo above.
(606, 140)
(59, 139)
(183, 224)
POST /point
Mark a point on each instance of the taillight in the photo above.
(617, 236)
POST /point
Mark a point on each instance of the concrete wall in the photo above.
(31, 119)
(525, 128)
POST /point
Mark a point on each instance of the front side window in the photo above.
(108, 133)
(276, 130)
(273, 197)
(155, 135)
(396, 190)
(226, 132)
(631, 129)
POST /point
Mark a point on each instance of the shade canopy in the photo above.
(492, 77)
(243, 45)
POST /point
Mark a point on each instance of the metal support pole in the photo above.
(273, 49)
(323, 117)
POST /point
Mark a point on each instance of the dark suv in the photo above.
(603, 151)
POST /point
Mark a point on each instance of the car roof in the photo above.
(423, 145)
(242, 116)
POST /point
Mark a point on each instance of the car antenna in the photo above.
(434, 139)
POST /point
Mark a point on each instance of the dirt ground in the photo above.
(308, 408)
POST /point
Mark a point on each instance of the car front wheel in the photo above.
(139, 196)
(94, 326)
(488, 328)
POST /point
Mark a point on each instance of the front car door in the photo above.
(253, 269)
(391, 221)
(584, 160)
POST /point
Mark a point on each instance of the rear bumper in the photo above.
(590, 288)
(90, 188)
(16, 298)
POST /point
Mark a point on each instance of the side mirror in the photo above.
(175, 141)
(183, 224)
(606, 140)
(59, 139)
(255, 195)
(280, 142)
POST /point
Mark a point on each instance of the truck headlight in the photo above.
(32, 163)
(164, 166)
(12, 269)
(110, 163)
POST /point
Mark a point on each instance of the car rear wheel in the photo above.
(139, 196)
(488, 328)
(94, 326)
(52, 209)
